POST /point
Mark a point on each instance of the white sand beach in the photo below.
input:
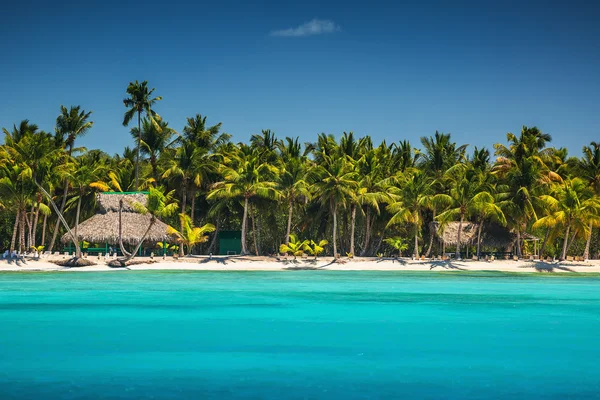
(254, 263)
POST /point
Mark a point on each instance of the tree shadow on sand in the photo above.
(448, 264)
(542, 266)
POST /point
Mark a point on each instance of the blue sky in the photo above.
(394, 70)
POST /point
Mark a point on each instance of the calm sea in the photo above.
(298, 335)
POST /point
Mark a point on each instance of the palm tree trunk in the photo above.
(460, 223)
(519, 242)
(365, 245)
(334, 209)
(183, 205)
(28, 224)
(62, 209)
(289, 223)
(258, 230)
(35, 222)
(22, 232)
(586, 252)
(137, 154)
(416, 240)
(572, 240)
(213, 243)
(78, 253)
(193, 204)
(546, 236)
(137, 248)
(565, 242)
(431, 235)
(244, 223)
(352, 228)
(58, 213)
(479, 239)
(14, 234)
(380, 240)
(123, 251)
(254, 230)
(154, 169)
(44, 230)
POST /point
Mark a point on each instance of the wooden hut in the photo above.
(103, 228)
(492, 235)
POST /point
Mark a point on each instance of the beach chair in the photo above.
(474, 258)
(569, 258)
(492, 258)
(515, 258)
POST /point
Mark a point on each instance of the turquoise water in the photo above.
(298, 335)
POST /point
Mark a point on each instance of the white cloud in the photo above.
(314, 27)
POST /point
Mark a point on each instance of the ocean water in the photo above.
(298, 335)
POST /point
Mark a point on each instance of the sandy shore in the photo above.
(252, 263)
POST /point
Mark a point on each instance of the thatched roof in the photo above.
(104, 226)
(492, 235)
(449, 232)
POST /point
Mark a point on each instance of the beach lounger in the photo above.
(569, 258)
(492, 258)
(515, 258)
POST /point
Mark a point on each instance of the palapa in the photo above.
(104, 226)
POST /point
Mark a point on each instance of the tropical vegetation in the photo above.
(362, 198)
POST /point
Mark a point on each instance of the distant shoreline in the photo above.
(259, 263)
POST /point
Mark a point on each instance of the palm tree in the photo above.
(334, 184)
(140, 101)
(191, 235)
(575, 206)
(440, 153)
(86, 178)
(292, 171)
(397, 243)
(412, 196)
(522, 164)
(71, 124)
(153, 141)
(588, 167)
(160, 205)
(246, 177)
(469, 196)
(294, 246)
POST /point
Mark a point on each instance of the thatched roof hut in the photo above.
(448, 233)
(104, 226)
(492, 235)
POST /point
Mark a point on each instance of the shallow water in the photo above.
(298, 335)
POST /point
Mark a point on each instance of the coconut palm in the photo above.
(397, 243)
(412, 196)
(160, 205)
(153, 141)
(469, 196)
(314, 248)
(522, 164)
(334, 184)
(588, 168)
(140, 101)
(190, 235)
(574, 206)
(245, 177)
(294, 246)
(292, 172)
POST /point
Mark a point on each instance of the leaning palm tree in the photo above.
(245, 177)
(159, 205)
(140, 101)
(70, 125)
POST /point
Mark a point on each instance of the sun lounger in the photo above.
(569, 258)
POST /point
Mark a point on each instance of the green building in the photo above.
(230, 242)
